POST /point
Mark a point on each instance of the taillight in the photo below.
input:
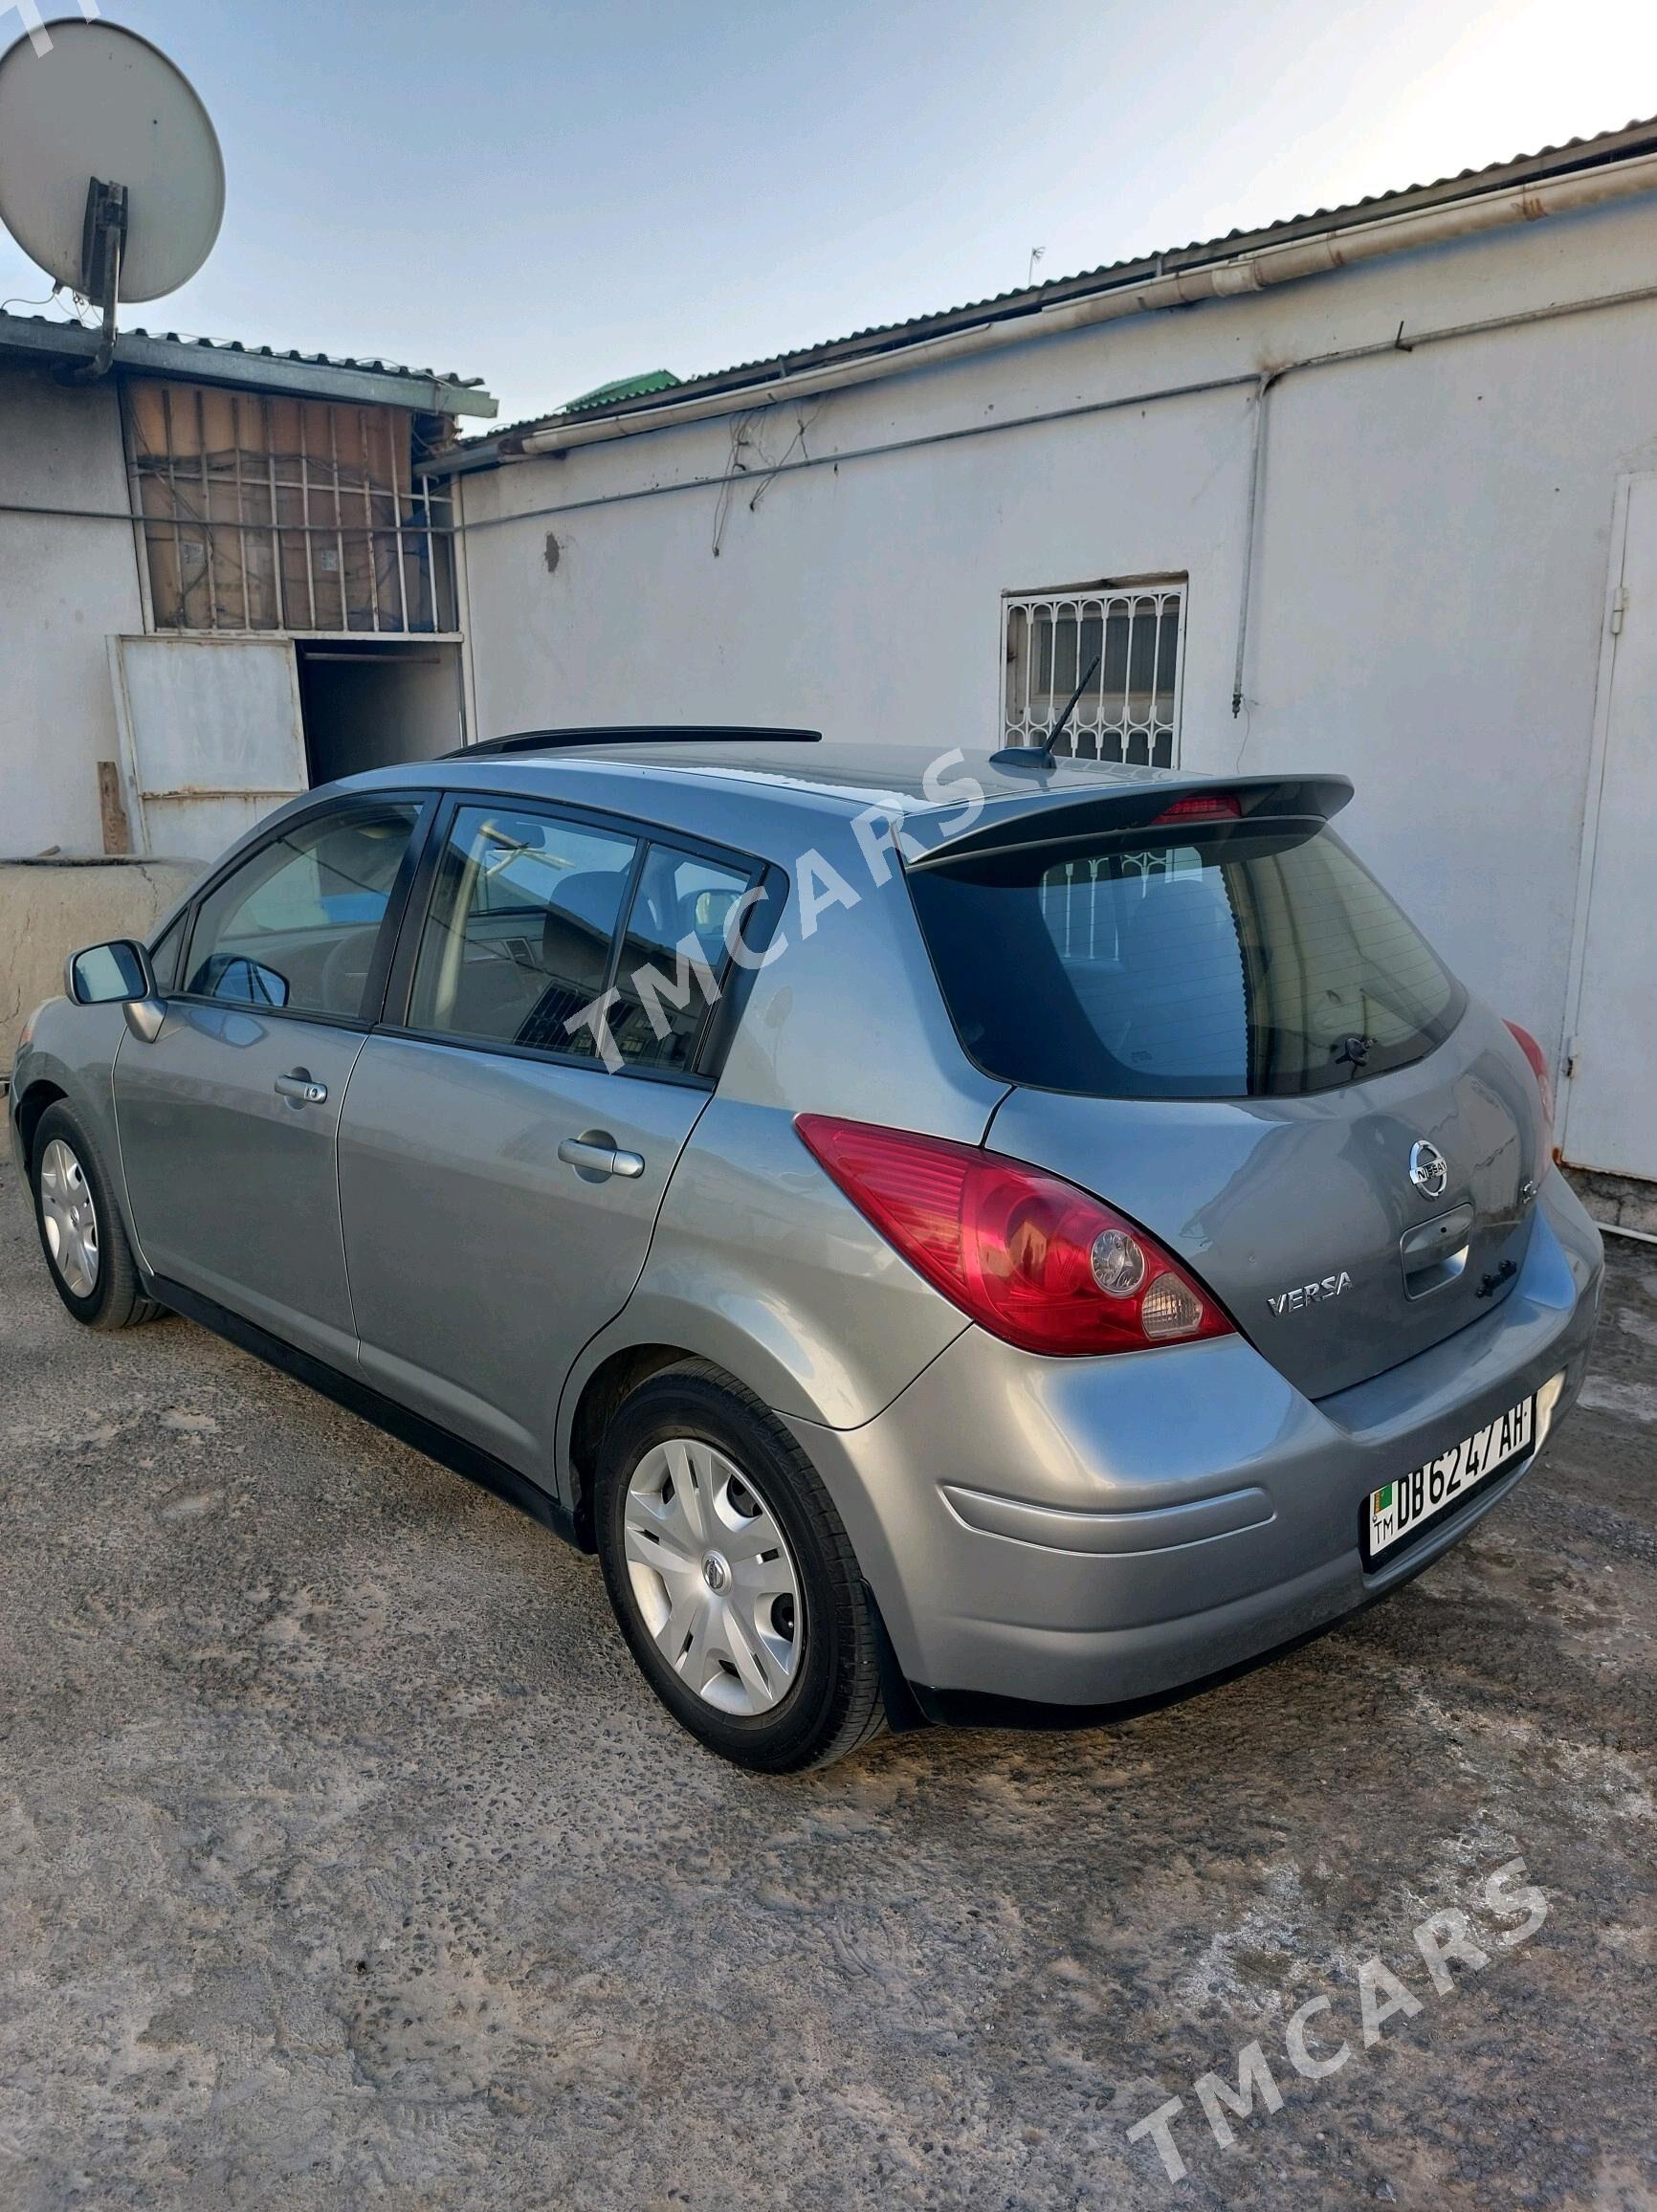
(1028, 1255)
(1203, 807)
(1538, 1058)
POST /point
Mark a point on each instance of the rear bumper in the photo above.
(1093, 1532)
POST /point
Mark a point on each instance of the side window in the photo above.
(296, 925)
(517, 945)
(674, 958)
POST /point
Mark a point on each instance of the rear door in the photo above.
(1229, 1032)
(228, 1118)
(506, 1143)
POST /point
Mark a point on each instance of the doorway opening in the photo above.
(373, 702)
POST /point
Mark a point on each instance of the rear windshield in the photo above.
(1230, 961)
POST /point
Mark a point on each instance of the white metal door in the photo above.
(212, 736)
(1611, 1116)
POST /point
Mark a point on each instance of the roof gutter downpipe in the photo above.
(1287, 263)
(1250, 532)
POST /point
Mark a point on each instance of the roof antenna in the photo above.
(1041, 756)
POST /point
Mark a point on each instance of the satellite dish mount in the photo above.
(103, 248)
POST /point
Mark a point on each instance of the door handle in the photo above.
(299, 1088)
(595, 1157)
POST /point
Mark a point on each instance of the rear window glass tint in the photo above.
(1236, 961)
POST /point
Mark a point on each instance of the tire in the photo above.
(777, 1586)
(81, 1233)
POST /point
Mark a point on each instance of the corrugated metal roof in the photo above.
(266, 368)
(640, 386)
(1580, 153)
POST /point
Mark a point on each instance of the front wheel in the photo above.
(731, 1577)
(92, 1267)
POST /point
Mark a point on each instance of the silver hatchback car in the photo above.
(946, 1231)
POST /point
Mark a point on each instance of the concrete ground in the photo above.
(345, 1861)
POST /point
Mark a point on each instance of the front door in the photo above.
(498, 1182)
(228, 1118)
(1611, 1123)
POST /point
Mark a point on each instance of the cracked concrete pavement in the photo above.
(344, 1860)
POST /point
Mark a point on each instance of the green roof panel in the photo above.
(652, 379)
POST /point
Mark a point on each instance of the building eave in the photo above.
(893, 347)
(250, 368)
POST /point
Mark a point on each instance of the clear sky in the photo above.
(548, 197)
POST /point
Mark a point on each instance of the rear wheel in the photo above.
(90, 1263)
(732, 1578)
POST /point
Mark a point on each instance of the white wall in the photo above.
(1429, 577)
(65, 585)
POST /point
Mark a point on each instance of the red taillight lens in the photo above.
(1028, 1256)
(1203, 807)
(1538, 1058)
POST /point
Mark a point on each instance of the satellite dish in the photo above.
(111, 176)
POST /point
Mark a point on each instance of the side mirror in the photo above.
(117, 973)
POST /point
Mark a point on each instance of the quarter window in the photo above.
(673, 957)
(1129, 705)
(296, 926)
(516, 946)
(164, 953)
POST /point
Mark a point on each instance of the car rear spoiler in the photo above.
(1065, 813)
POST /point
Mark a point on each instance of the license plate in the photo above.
(1398, 1509)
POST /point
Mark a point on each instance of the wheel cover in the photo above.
(71, 1219)
(713, 1576)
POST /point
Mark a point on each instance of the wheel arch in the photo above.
(595, 1404)
(32, 1107)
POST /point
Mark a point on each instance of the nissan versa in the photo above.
(939, 1230)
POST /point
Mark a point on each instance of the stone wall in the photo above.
(1618, 1201)
(51, 908)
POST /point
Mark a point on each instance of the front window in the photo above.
(1246, 960)
(296, 926)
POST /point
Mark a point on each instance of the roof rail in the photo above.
(644, 733)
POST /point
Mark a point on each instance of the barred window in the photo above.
(262, 513)
(1128, 708)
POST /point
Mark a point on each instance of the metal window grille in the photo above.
(1130, 708)
(1078, 907)
(262, 513)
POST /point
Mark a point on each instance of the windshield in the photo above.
(1225, 960)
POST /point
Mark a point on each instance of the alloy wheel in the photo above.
(71, 1218)
(713, 1576)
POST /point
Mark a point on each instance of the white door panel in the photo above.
(212, 736)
